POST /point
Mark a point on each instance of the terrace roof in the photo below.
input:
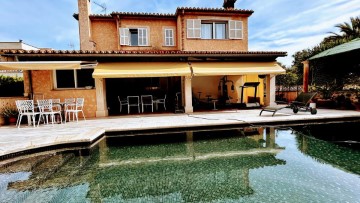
(343, 48)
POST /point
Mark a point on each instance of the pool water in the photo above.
(234, 165)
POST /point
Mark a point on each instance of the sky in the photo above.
(275, 25)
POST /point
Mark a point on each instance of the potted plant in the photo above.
(10, 113)
(2, 119)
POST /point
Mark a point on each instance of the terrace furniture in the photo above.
(47, 110)
(58, 106)
(37, 96)
(301, 103)
(26, 108)
(133, 101)
(160, 101)
(75, 109)
(123, 102)
(69, 103)
(147, 100)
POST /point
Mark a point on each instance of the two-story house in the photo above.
(198, 54)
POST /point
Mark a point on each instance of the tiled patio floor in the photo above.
(14, 140)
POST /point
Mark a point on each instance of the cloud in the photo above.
(276, 25)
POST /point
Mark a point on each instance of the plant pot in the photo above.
(2, 121)
(12, 120)
(357, 106)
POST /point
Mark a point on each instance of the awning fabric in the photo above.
(40, 65)
(141, 69)
(235, 68)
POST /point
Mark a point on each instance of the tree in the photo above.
(320, 73)
(349, 31)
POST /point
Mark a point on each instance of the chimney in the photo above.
(84, 25)
(229, 4)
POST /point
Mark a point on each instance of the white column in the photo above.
(188, 95)
(270, 90)
(101, 106)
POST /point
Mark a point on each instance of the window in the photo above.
(205, 29)
(213, 30)
(73, 78)
(133, 36)
(169, 37)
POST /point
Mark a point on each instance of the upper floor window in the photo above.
(213, 30)
(134, 36)
(73, 78)
(169, 37)
(231, 29)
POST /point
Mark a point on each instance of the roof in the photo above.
(170, 15)
(135, 53)
(343, 48)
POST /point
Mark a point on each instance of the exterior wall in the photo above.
(201, 84)
(155, 33)
(16, 45)
(191, 44)
(42, 82)
(9, 101)
(104, 34)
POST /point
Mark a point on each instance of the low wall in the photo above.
(9, 101)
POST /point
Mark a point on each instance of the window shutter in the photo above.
(142, 37)
(193, 28)
(169, 37)
(124, 36)
(235, 29)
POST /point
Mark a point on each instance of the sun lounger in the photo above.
(301, 103)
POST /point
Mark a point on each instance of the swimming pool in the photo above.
(256, 164)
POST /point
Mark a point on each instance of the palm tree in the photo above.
(349, 31)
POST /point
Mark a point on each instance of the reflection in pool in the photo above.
(235, 165)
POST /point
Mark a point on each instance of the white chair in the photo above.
(133, 101)
(75, 109)
(56, 104)
(37, 96)
(26, 108)
(160, 101)
(147, 100)
(69, 103)
(123, 102)
(47, 110)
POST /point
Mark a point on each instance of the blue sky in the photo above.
(276, 25)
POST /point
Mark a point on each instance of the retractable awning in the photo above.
(141, 69)
(235, 68)
(41, 65)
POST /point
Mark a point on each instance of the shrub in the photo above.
(11, 86)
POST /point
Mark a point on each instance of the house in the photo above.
(20, 45)
(197, 55)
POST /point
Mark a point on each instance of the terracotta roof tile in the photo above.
(136, 52)
(190, 9)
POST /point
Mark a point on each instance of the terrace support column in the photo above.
(306, 76)
(270, 90)
(188, 95)
(101, 105)
(27, 83)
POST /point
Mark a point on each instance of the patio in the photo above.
(13, 140)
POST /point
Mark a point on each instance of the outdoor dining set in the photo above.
(48, 110)
(141, 102)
